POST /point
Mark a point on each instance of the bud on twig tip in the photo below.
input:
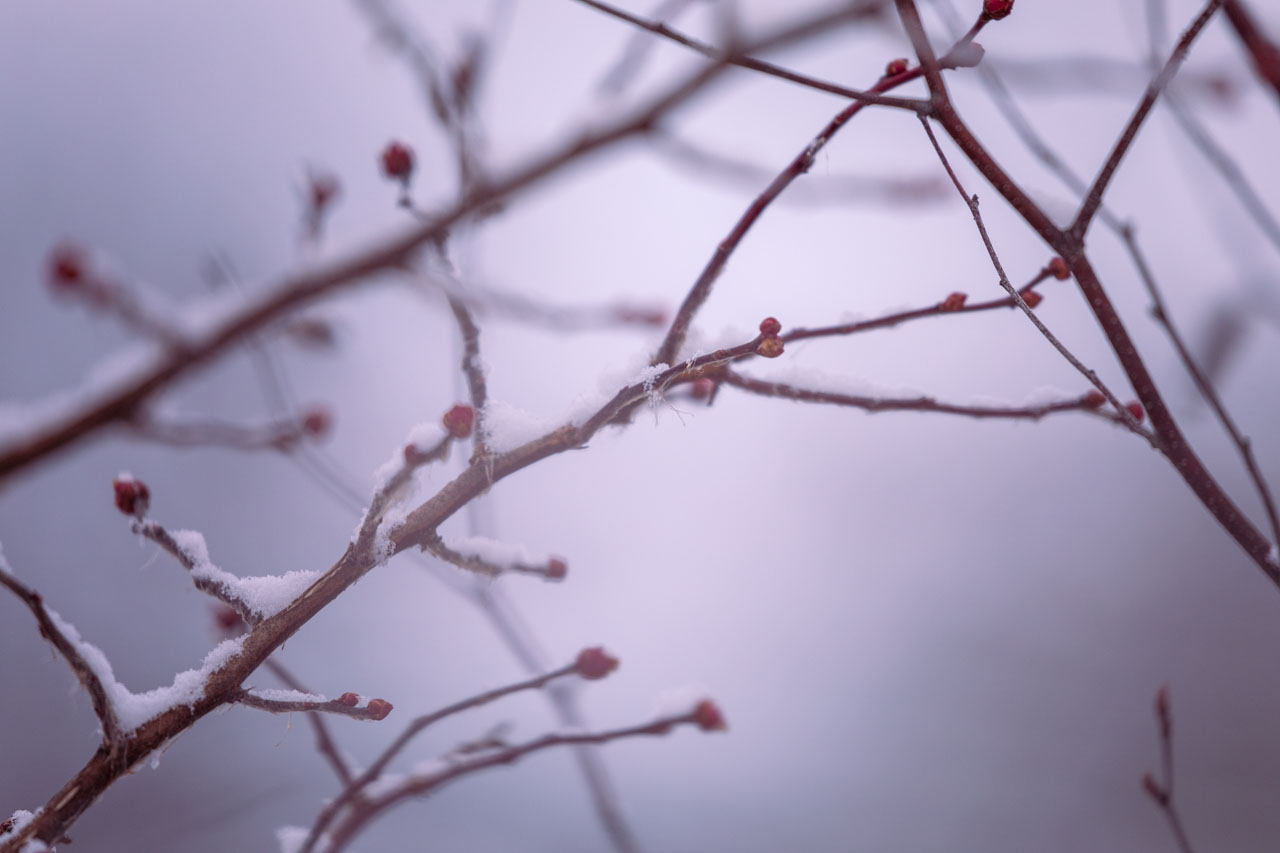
(708, 717)
(459, 420)
(595, 663)
(131, 495)
(397, 161)
(379, 709)
(997, 9)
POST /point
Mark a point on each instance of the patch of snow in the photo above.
(265, 595)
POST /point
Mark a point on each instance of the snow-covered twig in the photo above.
(50, 629)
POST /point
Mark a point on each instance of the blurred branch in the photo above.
(867, 9)
(421, 784)
(1162, 791)
(354, 788)
(1261, 49)
(102, 407)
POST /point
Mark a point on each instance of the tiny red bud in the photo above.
(708, 717)
(1153, 789)
(1032, 298)
(397, 161)
(895, 67)
(317, 421)
(132, 496)
(1095, 399)
(324, 188)
(379, 709)
(1135, 409)
(997, 9)
(413, 455)
(1059, 270)
(702, 388)
(66, 267)
(769, 348)
(557, 568)
(595, 663)
(348, 699)
(459, 420)
(228, 620)
(769, 327)
(953, 302)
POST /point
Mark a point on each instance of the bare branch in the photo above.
(1086, 403)
(1162, 791)
(354, 788)
(347, 705)
(705, 716)
(1094, 198)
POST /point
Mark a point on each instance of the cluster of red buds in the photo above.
(770, 345)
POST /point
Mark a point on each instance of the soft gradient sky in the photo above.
(927, 633)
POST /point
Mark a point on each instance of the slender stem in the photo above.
(1094, 198)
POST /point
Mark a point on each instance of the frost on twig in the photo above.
(488, 557)
(288, 701)
(427, 442)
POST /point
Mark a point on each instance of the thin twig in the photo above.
(156, 532)
(354, 788)
(325, 743)
(866, 96)
(1243, 445)
(374, 709)
(553, 569)
(1162, 791)
(472, 368)
(1086, 403)
(421, 784)
(971, 202)
(1094, 198)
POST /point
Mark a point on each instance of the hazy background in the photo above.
(927, 633)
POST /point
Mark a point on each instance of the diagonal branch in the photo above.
(1100, 183)
(122, 400)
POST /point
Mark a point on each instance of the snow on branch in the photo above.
(120, 711)
(252, 598)
(87, 662)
